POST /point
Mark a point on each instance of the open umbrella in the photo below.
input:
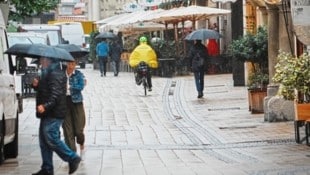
(106, 35)
(39, 50)
(203, 34)
(75, 50)
(192, 13)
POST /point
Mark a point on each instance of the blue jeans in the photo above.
(199, 80)
(103, 64)
(49, 139)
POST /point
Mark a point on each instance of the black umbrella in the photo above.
(75, 50)
(38, 51)
(203, 34)
(106, 35)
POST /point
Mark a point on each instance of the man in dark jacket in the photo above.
(115, 53)
(51, 110)
(198, 55)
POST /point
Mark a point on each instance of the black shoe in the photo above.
(200, 95)
(150, 89)
(43, 172)
(73, 166)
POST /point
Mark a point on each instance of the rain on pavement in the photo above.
(169, 131)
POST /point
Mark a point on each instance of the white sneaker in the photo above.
(82, 154)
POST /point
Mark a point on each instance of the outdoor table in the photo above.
(166, 67)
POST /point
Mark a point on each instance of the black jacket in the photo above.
(115, 51)
(200, 49)
(51, 92)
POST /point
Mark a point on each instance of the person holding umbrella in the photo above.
(198, 55)
(102, 51)
(50, 89)
(115, 53)
(51, 110)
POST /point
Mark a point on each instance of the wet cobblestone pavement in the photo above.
(169, 132)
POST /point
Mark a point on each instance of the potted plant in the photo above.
(293, 75)
(253, 48)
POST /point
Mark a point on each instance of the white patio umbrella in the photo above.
(192, 13)
(111, 18)
(123, 21)
(129, 18)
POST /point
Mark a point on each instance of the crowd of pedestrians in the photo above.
(59, 99)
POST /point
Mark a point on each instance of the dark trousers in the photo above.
(74, 124)
(115, 66)
(148, 77)
(199, 80)
(103, 64)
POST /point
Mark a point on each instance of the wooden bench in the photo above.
(302, 118)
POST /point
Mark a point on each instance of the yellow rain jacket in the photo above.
(145, 53)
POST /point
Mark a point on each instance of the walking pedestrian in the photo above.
(51, 110)
(74, 122)
(198, 55)
(143, 53)
(102, 51)
(115, 53)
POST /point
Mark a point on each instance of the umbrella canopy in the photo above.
(106, 35)
(75, 50)
(111, 18)
(192, 13)
(125, 20)
(203, 34)
(38, 51)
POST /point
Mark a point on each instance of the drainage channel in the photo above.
(204, 147)
(175, 105)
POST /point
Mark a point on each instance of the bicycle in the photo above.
(141, 77)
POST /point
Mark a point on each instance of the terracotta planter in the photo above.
(256, 100)
(302, 113)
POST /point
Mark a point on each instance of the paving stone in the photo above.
(169, 132)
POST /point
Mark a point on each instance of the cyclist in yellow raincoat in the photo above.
(144, 52)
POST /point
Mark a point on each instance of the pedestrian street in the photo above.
(168, 132)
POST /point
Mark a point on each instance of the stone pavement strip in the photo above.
(169, 132)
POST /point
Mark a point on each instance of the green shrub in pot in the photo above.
(293, 75)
